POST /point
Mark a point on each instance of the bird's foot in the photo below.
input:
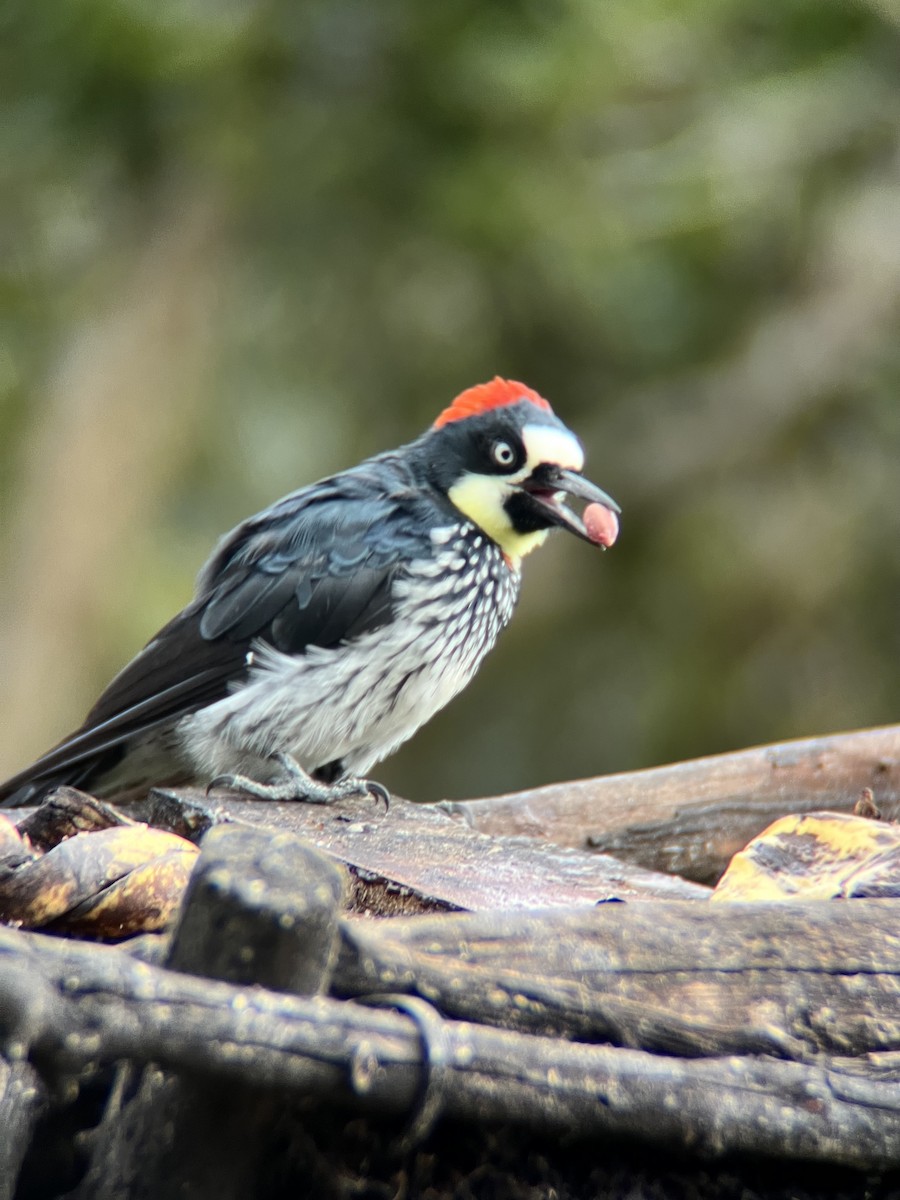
(299, 785)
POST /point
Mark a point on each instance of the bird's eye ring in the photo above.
(503, 454)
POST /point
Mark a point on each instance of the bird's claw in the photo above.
(300, 786)
(378, 792)
(220, 781)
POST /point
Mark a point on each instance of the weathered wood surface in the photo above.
(95, 1003)
(260, 910)
(794, 980)
(418, 850)
(689, 818)
(411, 859)
(775, 1028)
(23, 1098)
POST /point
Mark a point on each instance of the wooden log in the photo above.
(260, 910)
(795, 980)
(416, 852)
(23, 1099)
(111, 1007)
(689, 818)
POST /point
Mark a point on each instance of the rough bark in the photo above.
(107, 1007)
(417, 854)
(259, 910)
(23, 1099)
(794, 980)
(690, 818)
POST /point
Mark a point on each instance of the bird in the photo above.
(325, 630)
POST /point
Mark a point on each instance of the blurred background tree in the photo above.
(246, 244)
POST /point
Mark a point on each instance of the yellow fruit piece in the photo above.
(816, 856)
(79, 868)
(143, 901)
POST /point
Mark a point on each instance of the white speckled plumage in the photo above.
(357, 703)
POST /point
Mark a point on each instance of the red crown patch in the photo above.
(485, 396)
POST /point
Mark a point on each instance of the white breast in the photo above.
(358, 702)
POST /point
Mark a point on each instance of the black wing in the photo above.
(315, 569)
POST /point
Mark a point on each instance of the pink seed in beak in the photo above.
(601, 523)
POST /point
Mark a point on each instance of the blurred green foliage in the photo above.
(247, 244)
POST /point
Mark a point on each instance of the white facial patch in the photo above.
(544, 444)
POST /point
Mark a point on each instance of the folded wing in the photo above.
(315, 570)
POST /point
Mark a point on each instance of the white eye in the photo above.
(503, 454)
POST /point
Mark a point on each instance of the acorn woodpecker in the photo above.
(325, 630)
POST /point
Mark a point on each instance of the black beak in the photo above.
(547, 482)
(574, 484)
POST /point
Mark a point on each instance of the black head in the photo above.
(504, 459)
